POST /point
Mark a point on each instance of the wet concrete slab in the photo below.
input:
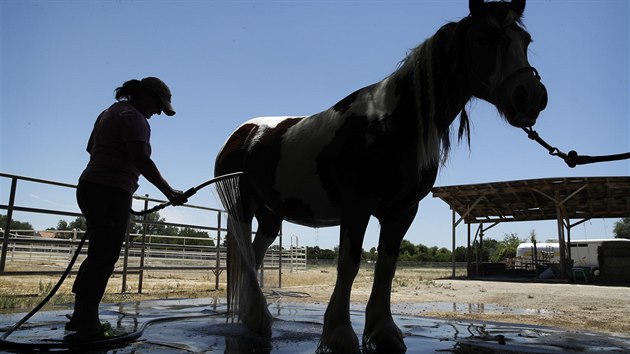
(201, 326)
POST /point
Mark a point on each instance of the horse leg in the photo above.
(338, 335)
(268, 228)
(381, 333)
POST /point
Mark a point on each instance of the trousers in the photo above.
(106, 210)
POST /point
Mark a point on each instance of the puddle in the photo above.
(177, 328)
(429, 307)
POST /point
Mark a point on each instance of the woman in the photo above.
(120, 151)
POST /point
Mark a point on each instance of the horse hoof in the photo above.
(386, 339)
(261, 326)
(341, 340)
(258, 322)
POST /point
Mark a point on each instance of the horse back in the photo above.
(306, 169)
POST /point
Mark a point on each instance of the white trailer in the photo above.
(583, 252)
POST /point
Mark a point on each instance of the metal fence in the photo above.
(23, 250)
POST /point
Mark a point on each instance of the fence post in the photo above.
(74, 238)
(7, 226)
(217, 267)
(261, 274)
(144, 243)
(126, 257)
(280, 261)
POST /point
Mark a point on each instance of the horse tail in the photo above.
(245, 299)
(237, 241)
(240, 260)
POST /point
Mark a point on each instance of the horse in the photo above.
(375, 153)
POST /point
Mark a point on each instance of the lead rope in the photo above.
(572, 159)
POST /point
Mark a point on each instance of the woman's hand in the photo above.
(177, 197)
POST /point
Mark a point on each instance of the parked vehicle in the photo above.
(584, 253)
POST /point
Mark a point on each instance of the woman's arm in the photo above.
(139, 151)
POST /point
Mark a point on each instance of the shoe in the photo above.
(91, 335)
(71, 325)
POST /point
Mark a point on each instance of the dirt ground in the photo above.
(584, 307)
(421, 292)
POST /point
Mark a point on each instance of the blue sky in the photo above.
(229, 61)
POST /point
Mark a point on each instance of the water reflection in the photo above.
(297, 328)
(466, 308)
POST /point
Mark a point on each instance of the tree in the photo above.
(79, 223)
(312, 252)
(442, 255)
(407, 251)
(506, 248)
(372, 255)
(423, 253)
(154, 229)
(433, 252)
(489, 247)
(460, 254)
(318, 253)
(196, 237)
(15, 225)
(622, 228)
(61, 225)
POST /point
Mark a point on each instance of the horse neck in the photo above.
(436, 94)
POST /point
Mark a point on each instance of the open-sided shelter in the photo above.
(569, 200)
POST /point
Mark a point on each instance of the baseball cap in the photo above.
(161, 90)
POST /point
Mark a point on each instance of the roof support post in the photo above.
(453, 245)
(560, 221)
(454, 225)
(468, 252)
(568, 227)
(562, 216)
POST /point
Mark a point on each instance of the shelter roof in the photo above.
(539, 199)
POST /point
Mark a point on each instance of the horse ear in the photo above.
(518, 6)
(476, 7)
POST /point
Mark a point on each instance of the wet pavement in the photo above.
(200, 326)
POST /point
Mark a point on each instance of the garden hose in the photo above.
(189, 193)
(4, 343)
(100, 343)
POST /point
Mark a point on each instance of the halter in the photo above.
(517, 72)
(505, 79)
(572, 158)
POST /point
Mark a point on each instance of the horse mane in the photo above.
(430, 65)
(439, 60)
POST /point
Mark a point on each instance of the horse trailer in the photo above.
(584, 253)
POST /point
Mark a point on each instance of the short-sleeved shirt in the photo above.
(110, 162)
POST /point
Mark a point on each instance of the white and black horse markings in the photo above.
(374, 153)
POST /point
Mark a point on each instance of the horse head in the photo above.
(495, 54)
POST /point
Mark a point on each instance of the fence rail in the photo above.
(139, 253)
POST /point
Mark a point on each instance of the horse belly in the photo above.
(304, 197)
